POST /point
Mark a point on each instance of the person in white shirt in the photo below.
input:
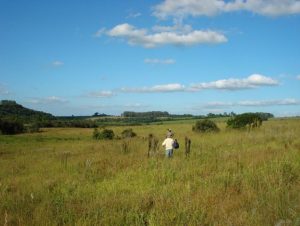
(168, 144)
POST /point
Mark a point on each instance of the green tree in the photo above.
(11, 127)
(250, 120)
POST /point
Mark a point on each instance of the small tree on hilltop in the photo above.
(206, 125)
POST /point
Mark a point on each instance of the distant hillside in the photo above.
(10, 109)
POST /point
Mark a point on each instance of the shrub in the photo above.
(250, 120)
(206, 125)
(32, 128)
(96, 134)
(105, 134)
(11, 127)
(128, 133)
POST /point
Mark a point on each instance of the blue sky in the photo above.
(193, 56)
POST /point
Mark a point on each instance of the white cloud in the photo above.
(57, 63)
(159, 61)
(143, 37)
(298, 77)
(135, 105)
(177, 27)
(48, 100)
(254, 103)
(126, 30)
(269, 102)
(217, 104)
(100, 32)
(182, 8)
(134, 15)
(175, 87)
(252, 81)
(3, 90)
(101, 94)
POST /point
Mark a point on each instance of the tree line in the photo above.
(14, 118)
(149, 114)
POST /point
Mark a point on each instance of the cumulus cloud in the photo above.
(175, 87)
(57, 63)
(254, 103)
(159, 61)
(101, 94)
(253, 81)
(182, 8)
(48, 100)
(177, 27)
(165, 36)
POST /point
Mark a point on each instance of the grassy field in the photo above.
(64, 177)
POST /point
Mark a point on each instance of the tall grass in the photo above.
(64, 177)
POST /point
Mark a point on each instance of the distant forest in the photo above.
(165, 114)
(14, 118)
(10, 109)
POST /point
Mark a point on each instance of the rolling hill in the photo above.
(10, 109)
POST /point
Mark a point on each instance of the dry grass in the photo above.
(64, 177)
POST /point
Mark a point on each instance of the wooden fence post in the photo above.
(152, 144)
(187, 146)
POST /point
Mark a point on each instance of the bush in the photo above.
(250, 120)
(32, 128)
(96, 134)
(105, 134)
(206, 125)
(128, 133)
(11, 127)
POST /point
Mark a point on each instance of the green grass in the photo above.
(64, 177)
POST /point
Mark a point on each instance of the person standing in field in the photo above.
(168, 144)
(169, 133)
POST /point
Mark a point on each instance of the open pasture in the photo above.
(64, 177)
